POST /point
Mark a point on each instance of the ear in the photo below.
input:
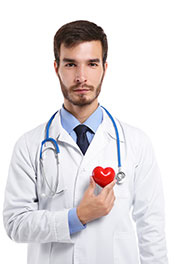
(56, 67)
(105, 67)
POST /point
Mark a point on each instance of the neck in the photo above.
(81, 112)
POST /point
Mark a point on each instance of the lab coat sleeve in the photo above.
(148, 206)
(75, 224)
(23, 221)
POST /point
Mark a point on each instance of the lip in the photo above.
(81, 90)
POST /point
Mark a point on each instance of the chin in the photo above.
(83, 101)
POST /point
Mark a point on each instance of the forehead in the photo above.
(82, 51)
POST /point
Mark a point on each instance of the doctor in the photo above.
(55, 205)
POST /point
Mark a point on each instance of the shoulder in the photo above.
(35, 134)
(31, 139)
(126, 131)
(134, 133)
(138, 142)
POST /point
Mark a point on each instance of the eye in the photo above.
(70, 65)
(93, 64)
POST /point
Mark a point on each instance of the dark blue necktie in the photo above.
(82, 140)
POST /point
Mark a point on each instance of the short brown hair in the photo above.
(79, 31)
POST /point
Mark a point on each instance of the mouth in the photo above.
(81, 90)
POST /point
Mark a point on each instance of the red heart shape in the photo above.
(103, 176)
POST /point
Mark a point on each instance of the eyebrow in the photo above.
(95, 60)
(72, 60)
(68, 60)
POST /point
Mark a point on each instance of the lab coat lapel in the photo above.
(59, 133)
(98, 143)
(109, 128)
(104, 134)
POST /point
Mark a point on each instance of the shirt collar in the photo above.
(69, 122)
(57, 129)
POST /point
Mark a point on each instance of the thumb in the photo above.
(92, 185)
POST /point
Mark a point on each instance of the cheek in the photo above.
(96, 77)
(65, 78)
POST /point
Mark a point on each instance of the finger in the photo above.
(109, 186)
(110, 197)
(92, 186)
(107, 189)
(111, 204)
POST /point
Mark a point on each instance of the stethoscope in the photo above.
(120, 175)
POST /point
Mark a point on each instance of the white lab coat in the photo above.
(31, 217)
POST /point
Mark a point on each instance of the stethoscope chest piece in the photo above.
(53, 145)
(120, 177)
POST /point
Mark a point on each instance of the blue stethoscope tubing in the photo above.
(117, 136)
(120, 175)
(47, 139)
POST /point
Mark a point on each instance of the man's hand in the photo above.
(91, 206)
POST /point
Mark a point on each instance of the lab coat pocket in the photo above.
(125, 248)
(121, 191)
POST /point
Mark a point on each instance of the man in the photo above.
(58, 209)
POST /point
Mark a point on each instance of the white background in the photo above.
(138, 88)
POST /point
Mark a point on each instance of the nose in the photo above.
(80, 76)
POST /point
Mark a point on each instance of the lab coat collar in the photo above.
(109, 128)
(57, 131)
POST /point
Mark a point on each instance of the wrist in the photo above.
(81, 218)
